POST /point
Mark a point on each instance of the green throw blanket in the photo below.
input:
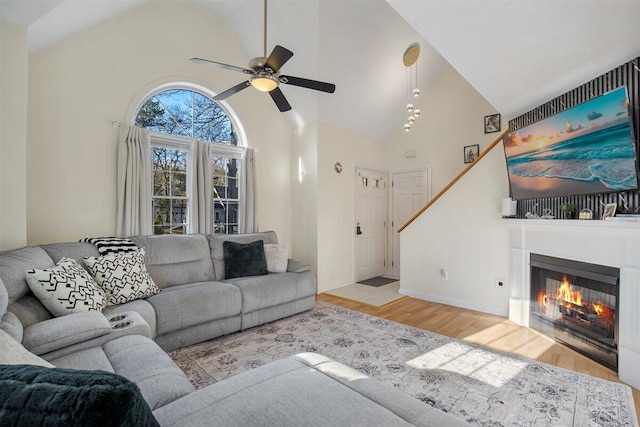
(38, 396)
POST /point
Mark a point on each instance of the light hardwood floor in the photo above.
(485, 329)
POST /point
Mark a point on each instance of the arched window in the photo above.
(176, 117)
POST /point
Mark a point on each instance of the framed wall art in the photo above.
(471, 152)
(492, 123)
(609, 210)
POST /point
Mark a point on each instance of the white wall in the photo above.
(462, 233)
(304, 223)
(336, 222)
(80, 85)
(452, 116)
(13, 135)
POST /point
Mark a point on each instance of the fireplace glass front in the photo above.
(576, 303)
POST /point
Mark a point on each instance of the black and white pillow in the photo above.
(66, 288)
(123, 276)
(110, 245)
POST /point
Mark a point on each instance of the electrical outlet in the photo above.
(444, 274)
(500, 283)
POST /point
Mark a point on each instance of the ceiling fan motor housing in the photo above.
(257, 63)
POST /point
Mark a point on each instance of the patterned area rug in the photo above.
(482, 386)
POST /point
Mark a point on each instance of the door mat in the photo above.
(377, 281)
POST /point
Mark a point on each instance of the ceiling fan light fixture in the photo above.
(264, 82)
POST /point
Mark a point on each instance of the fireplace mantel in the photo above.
(613, 243)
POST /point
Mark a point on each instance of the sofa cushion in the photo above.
(177, 259)
(138, 359)
(216, 242)
(302, 391)
(179, 307)
(14, 263)
(123, 276)
(66, 288)
(12, 325)
(277, 257)
(13, 353)
(35, 395)
(260, 292)
(4, 299)
(244, 259)
(75, 250)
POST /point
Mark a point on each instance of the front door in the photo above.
(370, 210)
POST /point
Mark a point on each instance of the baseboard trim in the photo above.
(503, 312)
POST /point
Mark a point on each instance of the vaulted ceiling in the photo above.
(516, 53)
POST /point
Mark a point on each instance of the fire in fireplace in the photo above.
(576, 304)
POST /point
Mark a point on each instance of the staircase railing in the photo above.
(453, 182)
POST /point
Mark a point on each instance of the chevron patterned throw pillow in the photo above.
(123, 276)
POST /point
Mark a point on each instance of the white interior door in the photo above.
(370, 227)
(410, 192)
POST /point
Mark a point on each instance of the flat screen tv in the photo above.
(586, 149)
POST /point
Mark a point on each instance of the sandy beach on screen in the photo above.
(539, 187)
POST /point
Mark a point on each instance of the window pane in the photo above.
(179, 184)
(160, 183)
(177, 105)
(232, 188)
(161, 215)
(178, 212)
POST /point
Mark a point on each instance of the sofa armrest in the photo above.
(297, 266)
(53, 334)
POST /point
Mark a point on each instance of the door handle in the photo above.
(358, 230)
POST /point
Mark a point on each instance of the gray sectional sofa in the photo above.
(197, 303)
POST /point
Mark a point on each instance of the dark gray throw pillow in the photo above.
(244, 259)
(37, 396)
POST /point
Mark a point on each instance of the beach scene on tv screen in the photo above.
(583, 150)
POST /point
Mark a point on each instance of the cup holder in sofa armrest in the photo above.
(128, 323)
(121, 325)
(118, 318)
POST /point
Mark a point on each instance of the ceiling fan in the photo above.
(264, 74)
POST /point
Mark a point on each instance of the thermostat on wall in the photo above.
(410, 153)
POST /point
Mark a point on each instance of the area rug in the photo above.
(479, 385)
(377, 281)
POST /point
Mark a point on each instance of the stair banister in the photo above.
(452, 183)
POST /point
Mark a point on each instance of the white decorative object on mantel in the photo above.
(611, 243)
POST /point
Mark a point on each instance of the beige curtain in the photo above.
(248, 220)
(134, 182)
(202, 188)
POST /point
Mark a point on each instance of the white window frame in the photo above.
(164, 140)
(185, 143)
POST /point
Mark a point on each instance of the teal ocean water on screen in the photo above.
(606, 156)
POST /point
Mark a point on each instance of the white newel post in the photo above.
(611, 243)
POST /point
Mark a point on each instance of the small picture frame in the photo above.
(492, 123)
(609, 210)
(471, 152)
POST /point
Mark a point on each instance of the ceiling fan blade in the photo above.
(280, 100)
(220, 64)
(309, 84)
(227, 93)
(279, 56)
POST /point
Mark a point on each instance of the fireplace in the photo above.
(576, 303)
